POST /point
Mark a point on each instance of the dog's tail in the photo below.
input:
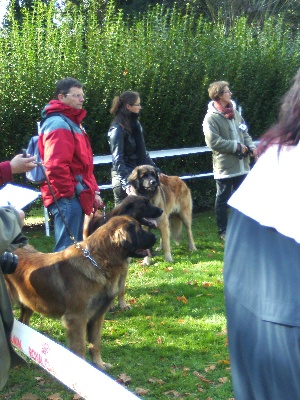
(175, 228)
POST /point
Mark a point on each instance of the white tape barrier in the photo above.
(71, 370)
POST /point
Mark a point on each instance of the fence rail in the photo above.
(159, 154)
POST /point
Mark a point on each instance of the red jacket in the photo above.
(5, 172)
(66, 156)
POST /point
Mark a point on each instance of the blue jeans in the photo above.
(74, 216)
(225, 188)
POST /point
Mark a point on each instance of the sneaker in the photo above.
(223, 235)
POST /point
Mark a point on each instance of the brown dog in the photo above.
(172, 195)
(136, 207)
(75, 286)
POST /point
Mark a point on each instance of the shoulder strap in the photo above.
(58, 115)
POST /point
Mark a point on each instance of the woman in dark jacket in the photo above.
(126, 141)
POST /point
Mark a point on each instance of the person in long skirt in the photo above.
(262, 265)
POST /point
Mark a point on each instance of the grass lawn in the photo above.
(171, 344)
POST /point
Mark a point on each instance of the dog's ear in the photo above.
(133, 179)
(119, 235)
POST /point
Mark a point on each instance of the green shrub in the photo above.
(168, 56)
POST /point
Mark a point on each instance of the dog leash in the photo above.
(85, 251)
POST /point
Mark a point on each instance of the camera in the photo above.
(8, 262)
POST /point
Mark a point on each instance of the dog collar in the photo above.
(87, 254)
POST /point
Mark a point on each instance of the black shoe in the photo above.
(222, 235)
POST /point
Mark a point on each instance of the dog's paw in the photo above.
(192, 248)
(124, 306)
(168, 258)
(146, 261)
(158, 248)
(102, 365)
(107, 366)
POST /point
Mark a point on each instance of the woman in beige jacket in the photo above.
(227, 136)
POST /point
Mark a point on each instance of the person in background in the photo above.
(261, 265)
(67, 156)
(11, 237)
(126, 141)
(227, 136)
(17, 165)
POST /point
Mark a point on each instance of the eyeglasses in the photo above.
(76, 96)
(227, 91)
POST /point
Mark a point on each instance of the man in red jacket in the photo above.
(67, 156)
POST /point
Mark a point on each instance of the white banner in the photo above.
(71, 370)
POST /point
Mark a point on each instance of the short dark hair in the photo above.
(64, 85)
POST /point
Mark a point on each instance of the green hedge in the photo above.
(168, 57)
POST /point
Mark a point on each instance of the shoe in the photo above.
(223, 235)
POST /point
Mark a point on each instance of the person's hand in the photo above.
(244, 149)
(128, 190)
(254, 153)
(98, 201)
(162, 174)
(19, 164)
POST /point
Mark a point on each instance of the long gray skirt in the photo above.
(262, 293)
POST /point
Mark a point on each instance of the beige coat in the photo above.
(222, 137)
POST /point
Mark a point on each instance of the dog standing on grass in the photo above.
(79, 283)
(172, 195)
(136, 207)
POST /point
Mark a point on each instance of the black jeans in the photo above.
(119, 192)
(225, 188)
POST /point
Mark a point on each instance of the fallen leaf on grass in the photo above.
(182, 298)
(206, 284)
(223, 380)
(222, 333)
(212, 367)
(173, 392)
(202, 378)
(159, 340)
(141, 391)
(226, 362)
(155, 380)
(55, 396)
(30, 396)
(124, 379)
(192, 283)
(40, 380)
(184, 371)
(168, 269)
